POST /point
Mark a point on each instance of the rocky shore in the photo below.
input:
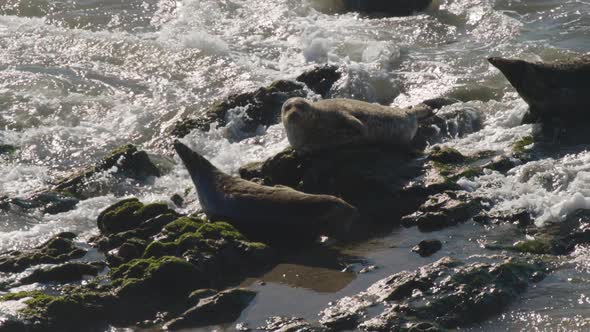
(169, 270)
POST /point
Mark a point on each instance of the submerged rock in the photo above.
(57, 250)
(444, 294)
(427, 247)
(554, 91)
(224, 307)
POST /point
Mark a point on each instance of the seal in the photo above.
(278, 214)
(338, 122)
(554, 90)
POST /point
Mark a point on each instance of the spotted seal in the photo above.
(553, 90)
(270, 214)
(338, 122)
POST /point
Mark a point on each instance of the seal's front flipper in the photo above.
(351, 126)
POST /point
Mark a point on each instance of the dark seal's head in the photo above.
(297, 111)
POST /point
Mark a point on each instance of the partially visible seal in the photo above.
(269, 214)
(559, 89)
(337, 122)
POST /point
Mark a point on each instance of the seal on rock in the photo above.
(556, 90)
(338, 122)
(277, 214)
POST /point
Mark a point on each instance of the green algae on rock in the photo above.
(58, 249)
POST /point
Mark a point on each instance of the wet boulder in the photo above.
(261, 107)
(448, 123)
(443, 210)
(555, 91)
(443, 295)
(127, 161)
(371, 178)
(290, 324)
(224, 307)
(67, 272)
(427, 247)
(58, 249)
(321, 79)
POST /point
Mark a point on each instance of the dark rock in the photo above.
(371, 178)
(129, 214)
(437, 103)
(456, 122)
(63, 273)
(395, 8)
(292, 324)
(320, 79)
(427, 247)
(263, 108)
(446, 155)
(7, 149)
(442, 295)
(177, 200)
(57, 250)
(520, 217)
(554, 91)
(443, 210)
(224, 307)
(125, 160)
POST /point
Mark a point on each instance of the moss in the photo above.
(165, 276)
(128, 214)
(119, 216)
(159, 249)
(536, 246)
(20, 295)
(469, 172)
(447, 155)
(520, 145)
(183, 225)
(219, 230)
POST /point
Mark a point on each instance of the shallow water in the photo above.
(78, 78)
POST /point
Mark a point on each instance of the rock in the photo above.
(224, 307)
(427, 247)
(443, 210)
(7, 149)
(443, 295)
(554, 91)
(62, 273)
(125, 160)
(57, 250)
(263, 107)
(320, 79)
(128, 214)
(371, 178)
(292, 324)
(394, 8)
(446, 155)
(448, 123)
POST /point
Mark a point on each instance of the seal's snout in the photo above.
(183, 151)
(514, 70)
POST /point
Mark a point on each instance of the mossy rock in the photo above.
(536, 246)
(167, 276)
(57, 250)
(128, 214)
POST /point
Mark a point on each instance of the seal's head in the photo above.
(297, 110)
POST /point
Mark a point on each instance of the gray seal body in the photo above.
(270, 214)
(559, 89)
(338, 122)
